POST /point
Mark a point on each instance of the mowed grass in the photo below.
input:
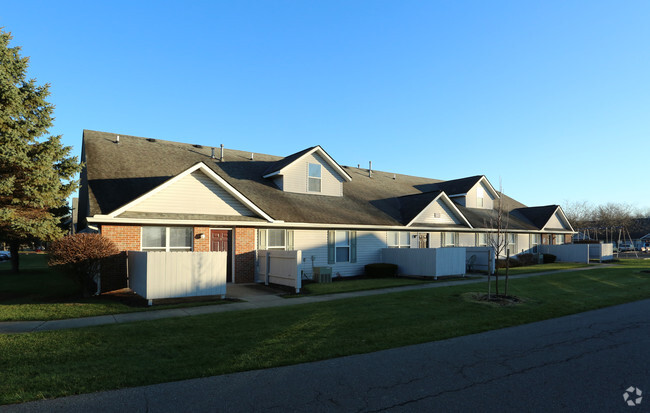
(344, 286)
(39, 292)
(555, 266)
(60, 363)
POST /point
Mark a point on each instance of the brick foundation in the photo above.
(244, 255)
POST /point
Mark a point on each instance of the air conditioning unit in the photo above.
(322, 274)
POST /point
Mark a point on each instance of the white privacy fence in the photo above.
(280, 267)
(426, 262)
(601, 252)
(483, 259)
(158, 274)
(567, 252)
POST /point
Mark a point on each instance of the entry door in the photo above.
(220, 241)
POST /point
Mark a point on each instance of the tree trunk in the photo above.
(14, 247)
(507, 270)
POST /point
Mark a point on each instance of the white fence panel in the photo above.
(280, 267)
(567, 252)
(157, 274)
(450, 261)
(484, 260)
(137, 268)
(426, 262)
(601, 252)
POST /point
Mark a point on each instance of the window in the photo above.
(276, 239)
(342, 240)
(512, 243)
(481, 239)
(167, 238)
(341, 246)
(479, 197)
(534, 242)
(559, 239)
(399, 239)
(448, 239)
(315, 179)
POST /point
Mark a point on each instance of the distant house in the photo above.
(154, 195)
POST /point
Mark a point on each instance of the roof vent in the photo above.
(198, 146)
(117, 139)
(370, 169)
(394, 176)
(252, 156)
(221, 159)
(151, 139)
(212, 156)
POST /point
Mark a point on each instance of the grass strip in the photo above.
(61, 363)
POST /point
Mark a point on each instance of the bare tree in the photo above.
(498, 240)
(580, 213)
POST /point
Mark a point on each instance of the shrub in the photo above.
(549, 258)
(501, 262)
(80, 255)
(527, 259)
(381, 270)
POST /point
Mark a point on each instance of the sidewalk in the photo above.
(254, 300)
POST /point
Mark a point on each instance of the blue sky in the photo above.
(551, 97)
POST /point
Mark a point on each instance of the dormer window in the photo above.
(315, 177)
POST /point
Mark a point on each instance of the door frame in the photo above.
(231, 251)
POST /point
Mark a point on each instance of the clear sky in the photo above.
(551, 97)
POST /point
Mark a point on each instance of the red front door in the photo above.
(220, 241)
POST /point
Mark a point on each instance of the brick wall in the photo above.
(244, 255)
(201, 245)
(126, 237)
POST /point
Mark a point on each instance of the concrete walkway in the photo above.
(253, 296)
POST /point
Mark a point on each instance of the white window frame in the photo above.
(480, 235)
(314, 179)
(168, 247)
(444, 240)
(391, 236)
(276, 247)
(480, 196)
(559, 239)
(511, 240)
(341, 244)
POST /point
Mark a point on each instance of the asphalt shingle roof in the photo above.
(117, 173)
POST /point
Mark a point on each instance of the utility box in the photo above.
(322, 274)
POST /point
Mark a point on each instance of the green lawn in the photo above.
(42, 293)
(344, 286)
(60, 363)
(556, 266)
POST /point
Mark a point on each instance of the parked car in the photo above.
(625, 246)
(5, 255)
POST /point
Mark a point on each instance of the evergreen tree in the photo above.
(36, 172)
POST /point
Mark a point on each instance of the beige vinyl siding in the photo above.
(435, 240)
(446, 216)
(556, 223)
(195, 193)
(314, 243)
(471, 198)
(466, 239)
(295, 177)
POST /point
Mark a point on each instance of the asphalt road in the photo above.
(581, 363)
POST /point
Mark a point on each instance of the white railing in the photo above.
(426, 262)
(280, 267)
(157, 274)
